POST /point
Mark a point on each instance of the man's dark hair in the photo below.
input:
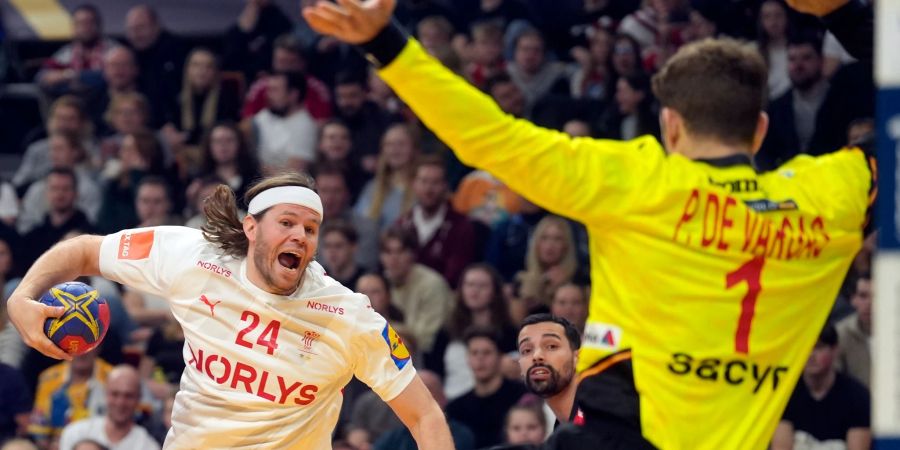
(407, 237)
(828, 336)
(296, 81)
(494, 80)
(66, 172)
(341, 226)
(718, 86)
(572, 334)
(290, 43)
(156, 180)
(89, 8)
(475, 332)
(809, 38)
(345, 77)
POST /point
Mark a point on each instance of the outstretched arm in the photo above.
(64, 262)
(418, 410)
(571, 177)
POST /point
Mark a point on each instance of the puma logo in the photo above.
(212, 305)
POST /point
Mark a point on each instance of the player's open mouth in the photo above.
(539, 373)
(289, 260)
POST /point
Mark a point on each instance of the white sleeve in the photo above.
(381, 359)
(147, 259)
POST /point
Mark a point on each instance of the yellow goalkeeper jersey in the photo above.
(712, 279)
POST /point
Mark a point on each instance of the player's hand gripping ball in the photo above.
(83, 325)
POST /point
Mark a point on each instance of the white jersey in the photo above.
(263, 371)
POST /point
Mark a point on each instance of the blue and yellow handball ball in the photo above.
(83, 325)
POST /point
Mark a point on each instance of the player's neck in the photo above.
(699, 148)
(819, 385)
(562, 403)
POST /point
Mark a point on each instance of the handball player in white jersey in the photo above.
(270, 340)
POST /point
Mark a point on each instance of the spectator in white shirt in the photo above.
(285, 132)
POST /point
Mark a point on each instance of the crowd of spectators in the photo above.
(143, 126)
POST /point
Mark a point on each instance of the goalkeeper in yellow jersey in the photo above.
(710, 281)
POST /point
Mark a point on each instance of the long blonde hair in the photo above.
(186, 97)
(384, 173)
(533, 282)
(224, 226)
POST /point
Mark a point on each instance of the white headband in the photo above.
(297, 195)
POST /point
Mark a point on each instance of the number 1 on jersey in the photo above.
(751, 272)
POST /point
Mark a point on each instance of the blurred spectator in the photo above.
(226, 155)
(626, 56)
(657, 22)
(120, 72)
(532, 72)
(548, 354)
(338, 252)
(486, 53)
(62, 214)
(827, 409)
(335, 147)
(248, 43)
(577, 128)
(439, 228)
(772, 43)
(479, 302)
(799, 120)
(88, 444)
(331, 184)
(525, 425)
(550, 262)
(288, 56)
(363, 117)
(507, 94)
(503, 11)
(116, 429)
(399, 438)
(389, 195)
(285, 132)
(126, 113)
(375, 286)
(859, 130)
(834, 55)
(140, 156)
(9, 206)
(66, 152)
(509, 239)
(420, 292)
(153, 203)
(200, 189)
(68, 392)
(434, 33)
(855, 334)
(160, 57)
(67, 114)
(12, 349)
(633, 113)
(18, 444)
(15, 401)
(484, 407)
(203, 101)
(77, 65)
(594, 77)
(570, 301)
(383, 96)
(701, 25)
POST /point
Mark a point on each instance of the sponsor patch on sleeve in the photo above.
(602, 336)
(135, 246)
(399, 353)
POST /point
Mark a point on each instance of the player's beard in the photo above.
(266, 268)
(555, 383)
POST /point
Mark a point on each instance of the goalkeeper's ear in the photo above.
(762, 126)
